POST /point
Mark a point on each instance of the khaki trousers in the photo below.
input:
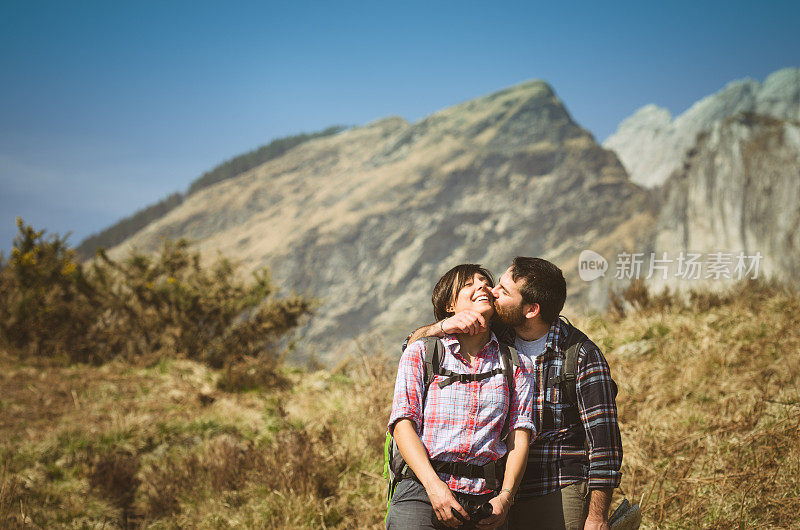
(565, 509)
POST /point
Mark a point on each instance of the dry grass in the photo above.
(164, 447)
(709, 407)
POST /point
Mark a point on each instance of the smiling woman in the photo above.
(465, 438)
(447, 294)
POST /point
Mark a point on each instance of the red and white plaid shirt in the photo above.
(463, 422)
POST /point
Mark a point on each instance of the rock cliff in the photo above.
(738, 193)
(651, 145)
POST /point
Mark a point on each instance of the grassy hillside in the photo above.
(709, 407)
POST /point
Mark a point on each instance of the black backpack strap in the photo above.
(569, 373)
(509, 359)
(434, 351)
(493, 471)
(453, 377)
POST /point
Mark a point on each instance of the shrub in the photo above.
(47, 303)
(251, 374)
(636, 297)
(142, 307)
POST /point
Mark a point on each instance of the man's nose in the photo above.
(495, 290)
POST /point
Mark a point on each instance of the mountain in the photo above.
(369, 219)
(738, 193)
(651, 144)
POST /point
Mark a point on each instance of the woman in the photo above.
(462, 422)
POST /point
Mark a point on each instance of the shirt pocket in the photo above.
(494, 393)
(553, 400)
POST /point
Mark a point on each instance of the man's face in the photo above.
(508, 300)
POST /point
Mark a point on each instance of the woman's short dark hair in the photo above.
(448, 286)
(543, 284)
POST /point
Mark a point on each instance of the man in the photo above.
(574, 462)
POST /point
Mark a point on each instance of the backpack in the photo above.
(395, 468)
(568, 379)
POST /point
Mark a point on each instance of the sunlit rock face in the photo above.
(738, 193)
(651, 145)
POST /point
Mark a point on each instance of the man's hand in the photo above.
(599, 503)
(468, 321)
(500, 506)
(444, 503)
(596, 524)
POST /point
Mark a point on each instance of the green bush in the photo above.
(138, 308)
(46, 301)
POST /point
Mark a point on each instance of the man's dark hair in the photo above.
(448, 286)
(543, 284)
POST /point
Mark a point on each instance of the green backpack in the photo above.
(395, 468)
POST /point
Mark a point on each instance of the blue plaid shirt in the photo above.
(572, 445)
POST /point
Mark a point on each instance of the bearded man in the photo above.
(574, 461)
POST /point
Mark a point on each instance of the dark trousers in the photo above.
(411, 508)
(565, 509)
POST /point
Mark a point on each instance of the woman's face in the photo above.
(476, 295)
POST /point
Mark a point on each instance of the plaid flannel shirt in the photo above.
(571, 447)
(463, 422)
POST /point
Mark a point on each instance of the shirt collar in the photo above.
(451, 341)
(555, 336)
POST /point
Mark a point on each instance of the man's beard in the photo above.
(510, 317)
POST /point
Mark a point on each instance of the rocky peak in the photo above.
(651, 149)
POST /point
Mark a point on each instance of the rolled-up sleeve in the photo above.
(596, 400)
(408, 387)
(521, 405)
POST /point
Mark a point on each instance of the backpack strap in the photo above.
(509, 359)
(434, 351)
(492, 471)
(453, 377)
(569, 374)
(433, 354)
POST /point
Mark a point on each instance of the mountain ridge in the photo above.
(369, 219)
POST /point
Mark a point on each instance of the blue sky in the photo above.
(106, 107)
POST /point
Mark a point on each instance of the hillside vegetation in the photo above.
(709, 408)
(123, 229)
